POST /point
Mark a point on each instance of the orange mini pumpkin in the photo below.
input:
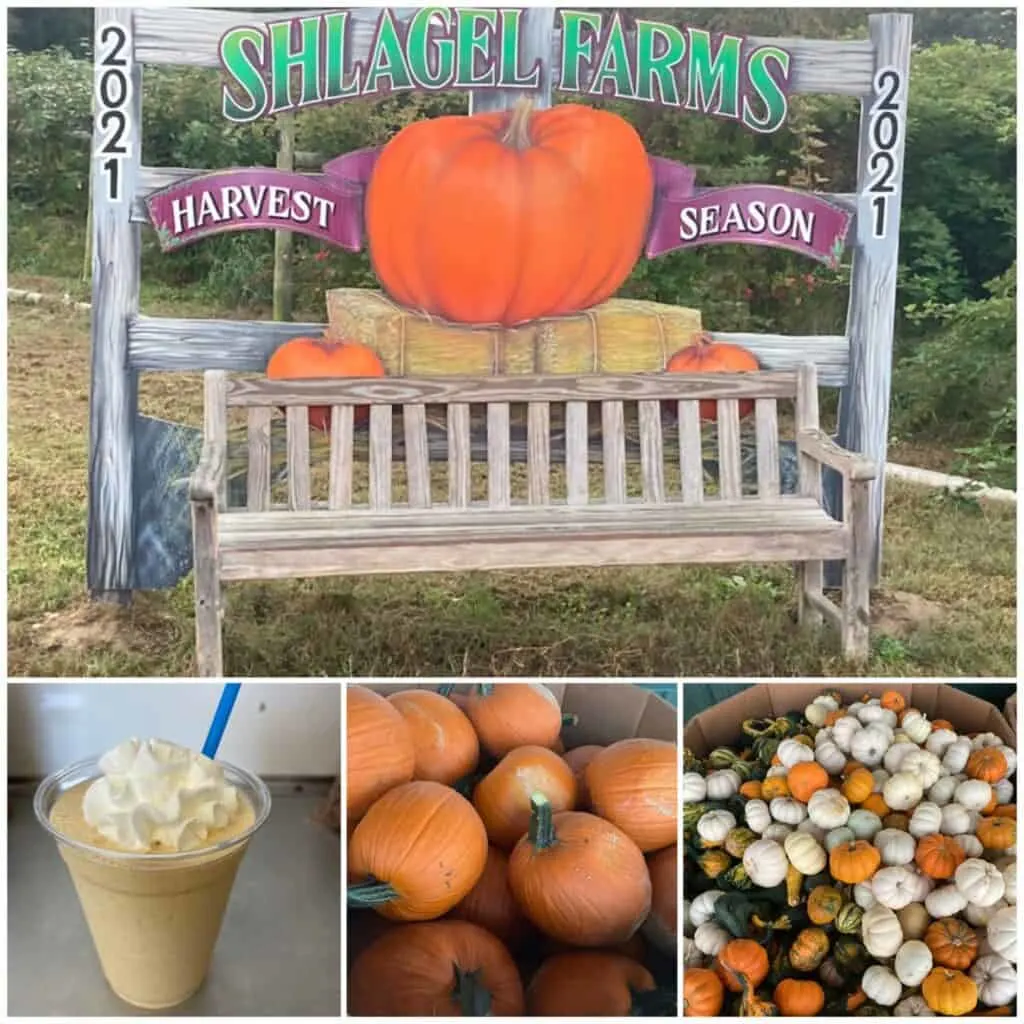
(997, 833)
(953, 943)
(939, 856)
(751, 790)
(987, 764)
(950, 993)
(742, 962)
(709, 356)
(853, 862)
(893, 700)
(599, 983)
(876, 804)
(703, 994)
(805, 779)
(859, 785)
(799, 998)
(773, 787)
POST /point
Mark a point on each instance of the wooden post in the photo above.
(284, 284)
(864, 402)
(538, 31)
(117, 141)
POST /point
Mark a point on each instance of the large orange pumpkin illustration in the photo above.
(709, 356)
(309, 358)
(502, 218)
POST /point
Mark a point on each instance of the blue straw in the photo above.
(220, 718)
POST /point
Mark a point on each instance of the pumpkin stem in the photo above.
(371, 894)
(542, 830)
(517, 134)
(474, 999)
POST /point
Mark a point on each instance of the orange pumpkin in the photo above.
(502, 798)
(1006, 811)
(942, 723)
(799, 998)
(987, 764)
(593, 983)
(437, 969)
(893, 700)
(833, 716)
(708, 356)
(950, 993)
(939, 856)
(315, 359)
(578, 759)
(634, 785)
(850, 767)
(563, 860)
(662, 922)
(997, 833)
(751, 790)
(559, 199)
(805, 779)
(510, 715)
(859, 785)
(876, 804)
(741, 963)
(442, 736)
(379, 749)
(491, 905)
(703, 994)
(635, 947)
(773, 787)
(853, 862)
(953, 943)
(417, 852)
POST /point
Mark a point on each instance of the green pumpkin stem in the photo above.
(371, 893)
(517, 135)
(473, 998)
(542, 829)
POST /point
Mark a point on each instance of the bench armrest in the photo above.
(820, 447)
(204, 484)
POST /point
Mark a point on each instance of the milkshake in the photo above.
(153, 835)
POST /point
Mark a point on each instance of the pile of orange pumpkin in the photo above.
(850, 860)
(504, 874)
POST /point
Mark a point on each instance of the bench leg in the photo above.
(810, 578)
(209, 638)
(856, 611)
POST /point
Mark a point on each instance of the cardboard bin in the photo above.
(1011, 713)
(607, 712)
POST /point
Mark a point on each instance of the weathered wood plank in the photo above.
(208, 610)
(161, 343)
(499, 459)
(856, 615)
(257, 487)
(823, 449)
(116, 260)
(810, 573)
(460, 465)
(380, 456)
(538, 457)
(730, 469)
(417, 455)
(613, 438)
(766, 423)
(215, 424)
(864, 404)
(691, 461)
(652, 456)
(577, 454)
(297, 423)
(189, 36)
(339, 484)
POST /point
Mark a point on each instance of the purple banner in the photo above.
(330, 207)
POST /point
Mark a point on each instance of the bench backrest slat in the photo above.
(257, 487)
(691, 454)
(652, 457)
(299, 492)
(613, 443)
(460, 461)
(538, 453)
(499, 456)
(577, 454)
(730, 463)
(766, 422)
(215, 422)
(807, 418)
(339, 484)
(380, 457)
(417, 454)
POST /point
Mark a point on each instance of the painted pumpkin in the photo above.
(593, 983)
(634, 785)
(442, 736)
(939, 856)
(379, 749)
(417, 852)
(949, 992)
(799, 998)
(953, 943)
(510, 715)
(563, 860)
(502, 798)
(742, 963)
(709, 356)
(518, 215)
(314, 359)
(435, 969)
(491, 905)
(702, 993)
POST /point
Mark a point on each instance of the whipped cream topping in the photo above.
(157, 795)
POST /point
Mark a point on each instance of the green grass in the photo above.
(953, 559)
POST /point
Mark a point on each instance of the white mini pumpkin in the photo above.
(874, 714)
(702, 909)
(805, 853)
(710, 938)
(916, 726)
(766, 863)
(864, 824)
(913, 962)
(811, 829)
(880, 777)
(828, 808)
(939, 740)
(921, 885)
(830, 757)
(776, 771)
(881, 932)
(914, 920)
(1002, 933)
(789, 752)
(757, 815)
(902, 746)
(787, 810)
(926, 819)
(895, 846)
(839, 836)
(913, 1006)
(927, 767)
(971, 845)
(1010, 881)
(942, 791)
(863, 895)
(1011, 758)
(945, 901)
(986, 739)
(817, 711)
(894, 887)
(881, 985)
(981, 882)
(845, 729)
(903, 790)
(955, 758)
(695, 788)
(777, 831)
(996, 979)
(979, 916)
(1003, 790)
(723, 784)
(714, 826)
(956, 820)
(692, 956)
(869, 746)
(973, 794)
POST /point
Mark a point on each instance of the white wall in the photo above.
(277, 729)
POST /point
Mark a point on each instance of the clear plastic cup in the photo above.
(154, 917)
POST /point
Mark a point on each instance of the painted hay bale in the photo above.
(619, 336)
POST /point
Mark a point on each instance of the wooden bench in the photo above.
(595, 523)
